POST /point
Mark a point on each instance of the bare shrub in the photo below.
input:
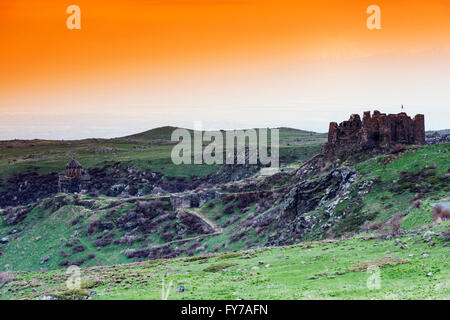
(168, 236)
(376, 225)
(238, 236)
(365, 227)
(397, 147)
(5, 277)
(395, 224)
(227, 198)
(64, 263)
(231, 221)
(77, 249)
(92, 227)
(102, 242)
(446, 235)
(385, 261)
(418, 204)
(246, 199)
(228, 209)
(440, 214)
(64, 254)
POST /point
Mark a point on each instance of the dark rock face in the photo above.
(324, 192)
(27, 187)
(374, 131)
(159, 252)
(191, 224)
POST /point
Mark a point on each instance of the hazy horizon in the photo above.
(110, 132)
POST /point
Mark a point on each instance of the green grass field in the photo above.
(339, 269)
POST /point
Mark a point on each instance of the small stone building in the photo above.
(76, 180)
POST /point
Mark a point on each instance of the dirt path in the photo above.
(214, 226)
(167, 196)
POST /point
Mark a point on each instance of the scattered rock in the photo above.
(427, 236)
(45, 259)
(181, 289)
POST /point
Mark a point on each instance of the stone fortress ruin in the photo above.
(377, 131)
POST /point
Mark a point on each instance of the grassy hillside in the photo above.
(359, 268)
(118, 242)
(147, 150)
(421, 174)
(60, 223)
(387, 186)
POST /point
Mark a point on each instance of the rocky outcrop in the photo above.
(436, 138)
(15, 215)
(324, 192)
(27, 187)
(377, 131)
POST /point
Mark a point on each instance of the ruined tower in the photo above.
(374, 131)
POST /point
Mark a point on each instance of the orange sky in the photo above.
(233, 63)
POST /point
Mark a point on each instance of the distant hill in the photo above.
(164, 133)
(161, 133)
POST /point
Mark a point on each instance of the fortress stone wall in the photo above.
(374, 131)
